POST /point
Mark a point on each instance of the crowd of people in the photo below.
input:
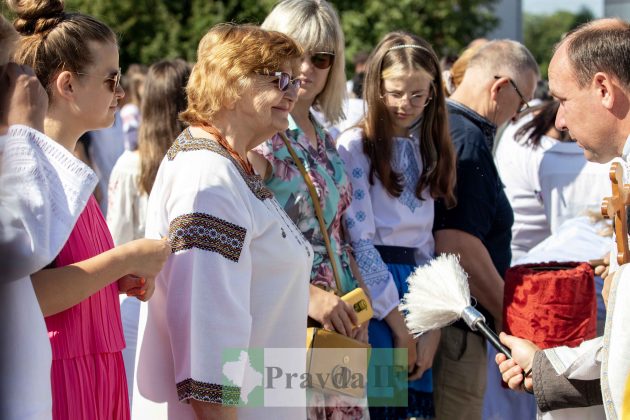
(243, 195)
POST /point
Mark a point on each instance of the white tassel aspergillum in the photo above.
(438, 294)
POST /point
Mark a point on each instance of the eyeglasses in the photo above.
(523, 105)
(418, 100)
(113, 80)
(284, 81)
(322, 60)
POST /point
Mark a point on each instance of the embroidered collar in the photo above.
(185, 142)
(486, 126)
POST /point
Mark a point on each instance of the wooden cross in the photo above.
(615, 208)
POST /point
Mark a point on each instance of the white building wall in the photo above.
(510, 13)
(617, 8)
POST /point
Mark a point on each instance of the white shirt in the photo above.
(127, 206)
(106, 146)
(546, 185)
(570, 185)
(518, 165)
(238, 279)
(377, 218)
(43, 189)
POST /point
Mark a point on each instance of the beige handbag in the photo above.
(336, 363)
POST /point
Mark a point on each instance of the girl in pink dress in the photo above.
(76, 59)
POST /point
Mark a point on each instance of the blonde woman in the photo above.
(315, 25)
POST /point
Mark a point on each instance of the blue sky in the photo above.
(550, 6)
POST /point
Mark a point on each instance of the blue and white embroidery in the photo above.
(406, 164)
(357, 173)
(372, 267)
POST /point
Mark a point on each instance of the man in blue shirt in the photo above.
(500, 80)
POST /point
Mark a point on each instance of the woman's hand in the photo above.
(360, 333)
(333, 313)
(402, 339)
(136, 286)
(426, 346)
(405, 341)
(146, 256)
(23, 100)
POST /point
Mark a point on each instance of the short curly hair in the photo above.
(226, 58)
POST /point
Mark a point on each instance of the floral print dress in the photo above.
(334, 191)
(326, 170)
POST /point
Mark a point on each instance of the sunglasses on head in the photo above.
(285, 82)
(322, 60)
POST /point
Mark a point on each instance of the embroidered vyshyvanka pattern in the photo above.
(203, 231)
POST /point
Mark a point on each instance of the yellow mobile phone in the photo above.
(360, 303)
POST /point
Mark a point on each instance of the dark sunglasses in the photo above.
(284, 81)
(113, 81)
(322, 60)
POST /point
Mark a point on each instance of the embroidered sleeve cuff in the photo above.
(213, 393)
(377, 278)
(209, 233)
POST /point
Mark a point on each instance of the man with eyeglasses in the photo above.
(500, 79)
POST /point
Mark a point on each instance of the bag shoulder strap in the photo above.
(318, 209)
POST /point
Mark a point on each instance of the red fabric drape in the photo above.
(551, 304)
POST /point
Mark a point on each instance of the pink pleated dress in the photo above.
(88, 373)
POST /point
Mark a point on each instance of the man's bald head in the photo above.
(503, 56)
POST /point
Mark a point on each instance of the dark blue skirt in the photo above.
(401, 263)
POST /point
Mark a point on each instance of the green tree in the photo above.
(147, 29)
(449, 25)
(154, 29)
(542, 32)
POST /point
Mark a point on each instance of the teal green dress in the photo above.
(333, 190)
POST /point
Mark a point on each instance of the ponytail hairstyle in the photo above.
(53, 40)
(398, 54)
(163, 99)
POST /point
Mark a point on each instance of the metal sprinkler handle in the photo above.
(477, 322)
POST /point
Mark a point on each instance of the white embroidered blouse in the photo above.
(238, 279)
(377, 218)
(43, 190)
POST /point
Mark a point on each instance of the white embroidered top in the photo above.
(127, 206)
(43, 189)
(238, 279)
(377, 218)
